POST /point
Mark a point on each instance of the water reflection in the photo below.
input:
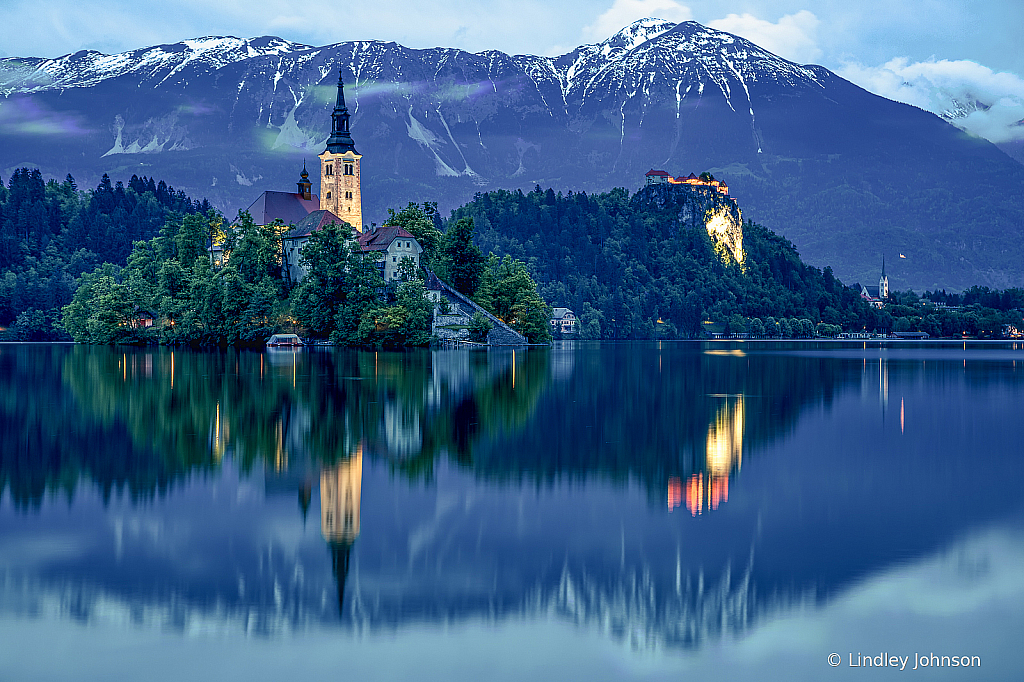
(724, 455)
(455, 486)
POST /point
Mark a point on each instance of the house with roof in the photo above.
(395, 244)
(563, 321)
(288, 207)
(340, 203)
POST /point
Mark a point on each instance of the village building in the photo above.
(563, 321)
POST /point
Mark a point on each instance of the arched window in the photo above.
(329, 170)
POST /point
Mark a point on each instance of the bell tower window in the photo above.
(349, 169)
(329, 170)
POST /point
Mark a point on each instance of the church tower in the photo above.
(883, 283)
(339, 168)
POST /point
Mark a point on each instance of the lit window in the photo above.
(328, 195)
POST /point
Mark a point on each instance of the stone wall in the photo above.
(500, 335)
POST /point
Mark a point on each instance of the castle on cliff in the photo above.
(660, 177)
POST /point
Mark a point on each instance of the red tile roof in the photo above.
(659, 173)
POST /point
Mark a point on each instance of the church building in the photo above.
(340, 201)
(876, 296)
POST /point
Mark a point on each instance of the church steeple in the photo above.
(340, 191)
(883, 282)
(340, 140)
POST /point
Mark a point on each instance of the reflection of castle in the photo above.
(340, 488)
(724, 452)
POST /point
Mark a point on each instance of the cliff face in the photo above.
(688, 208)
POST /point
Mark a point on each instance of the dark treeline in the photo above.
(51, 232)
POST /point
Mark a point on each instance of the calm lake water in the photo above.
(587, 512)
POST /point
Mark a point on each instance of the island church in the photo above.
(340, 201)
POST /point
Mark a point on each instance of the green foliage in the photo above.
(407, 323)
(340, 286)
(509, 293)
(460, 261)
(50, 233)
(479, 327)
(633, 261)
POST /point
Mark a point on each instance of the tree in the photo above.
(511, 296)
(407, 323)
(461, 263)
(479, 327)
(340, 287)
(736, 324)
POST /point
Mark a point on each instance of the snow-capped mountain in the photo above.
(807, 153)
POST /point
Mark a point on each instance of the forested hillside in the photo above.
(51, 232)
(623, 263)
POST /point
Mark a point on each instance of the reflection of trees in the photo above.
(661, 416)
(142, 419)
(48, 442)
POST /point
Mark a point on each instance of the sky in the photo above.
(930, 53)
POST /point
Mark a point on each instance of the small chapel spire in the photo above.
(340, 140)
(304, 185)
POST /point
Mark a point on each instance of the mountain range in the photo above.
(847, 176)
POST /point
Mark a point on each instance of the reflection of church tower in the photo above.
(339, 168)
(340, 488)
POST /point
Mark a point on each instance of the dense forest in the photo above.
(629, 269)
(51, 232)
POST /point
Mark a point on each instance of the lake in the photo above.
(634, 511)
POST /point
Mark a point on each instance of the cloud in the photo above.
(625, 12)
(793, 37)
(971, 96)
(28, 117)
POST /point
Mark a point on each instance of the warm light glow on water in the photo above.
(725, 439)
(341, 488)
